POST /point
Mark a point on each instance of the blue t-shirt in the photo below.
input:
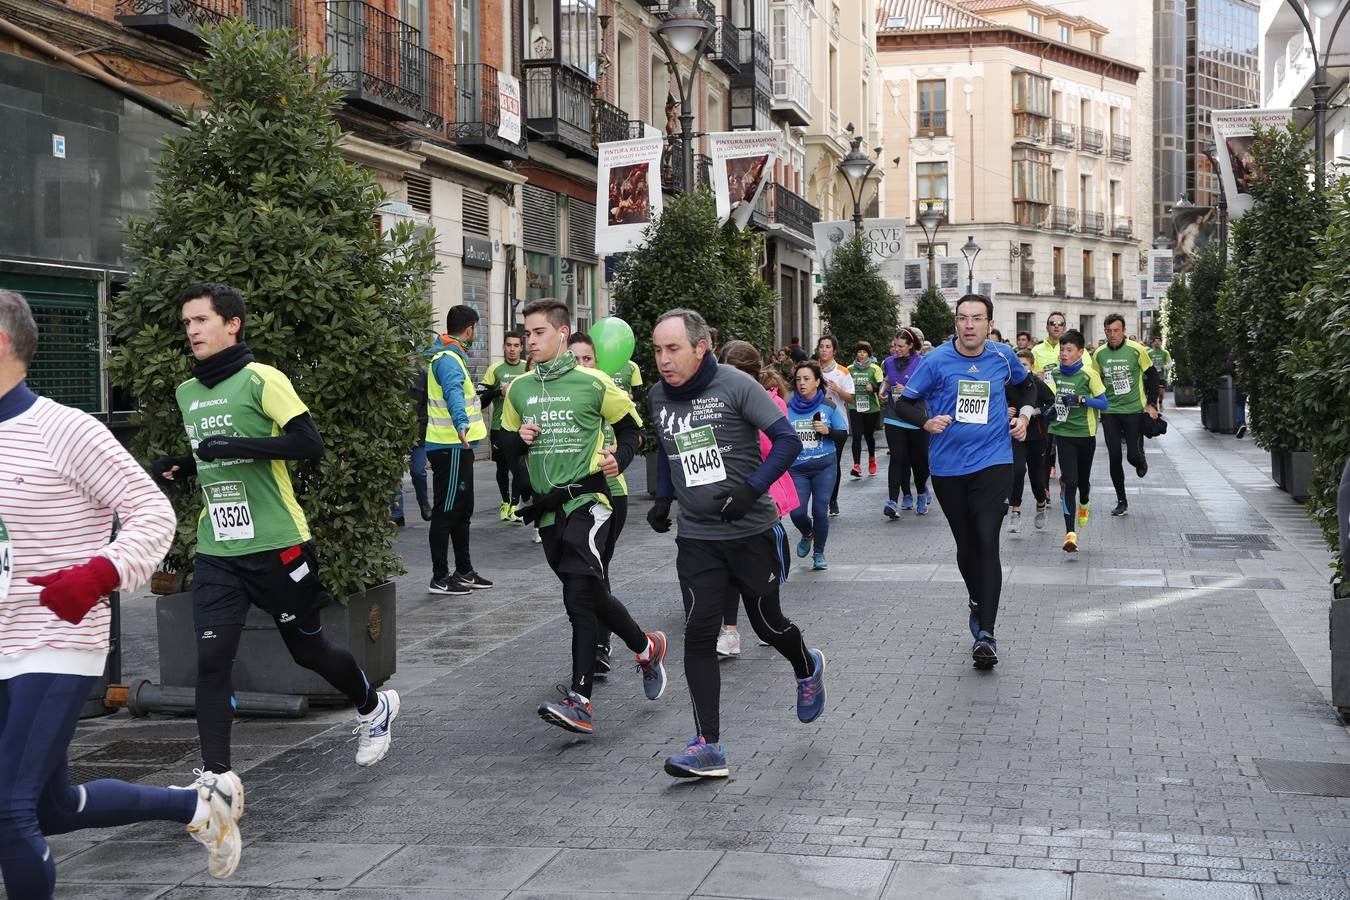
(814, 444)
(978, 437)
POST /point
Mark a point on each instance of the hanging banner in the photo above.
(508, 108)
(1193, 228)
(1159, 273)
(986, 289)
(1234, 134)
(884, 239)
(951, 277)
(629, 180)
(913, 280)
(742, 163)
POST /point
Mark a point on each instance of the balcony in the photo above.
(1028, 281)
(937, 205)
(1062, 134)
(1030, 212)
(1028, 128)
(779, 206)
(725, 49)
(180, 21)
(1117, 290)
(930, 122)
(1089, 287)
(752, 87)
(702, 170)
(1122, 227)
(475, 113)
(1063, 218)
(1120, 147)
(1090, 139)
(610, 123)
(380, 65)
(636, 129)
(558, 107)
(662, 8)
(791, 94)
(1090, 222)
(1061, 284)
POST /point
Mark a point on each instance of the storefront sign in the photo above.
(629, 182)
(742, 163)
(508, 108)
(477, 252)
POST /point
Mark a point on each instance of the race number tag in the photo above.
(1061, 411)
(1120, 380)
(227, 505)
(807, 432)
(699, 457)
(972, 402)
(6, 561)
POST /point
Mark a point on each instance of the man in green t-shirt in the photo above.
(1129, 376)
(1080, 398)
(864, 414)
(244, 421)
(560, 411)
(493, 388)
(1162, 361)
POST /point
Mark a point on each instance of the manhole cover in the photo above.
(1320, 779)
(1229, 541)
(144, 753)
(1238, 581)
(81, 773)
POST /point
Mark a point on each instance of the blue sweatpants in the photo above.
(815, 481)
(38, 713)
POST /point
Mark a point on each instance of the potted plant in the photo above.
(1176, 311)
(255, 192)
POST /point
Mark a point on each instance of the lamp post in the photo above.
(856, 167)
(1322, 9)
(1210, 152)
(930, 220)
(970, 251)
(684, 31)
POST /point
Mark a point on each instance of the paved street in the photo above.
(1113, 753)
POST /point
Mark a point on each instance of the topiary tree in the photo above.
(1176, 312)
(1206, 353)
(855, 301)
(256, 193)
(933, 316)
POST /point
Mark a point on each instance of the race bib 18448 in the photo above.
(699, 457)
(972, 402)
(227, 505)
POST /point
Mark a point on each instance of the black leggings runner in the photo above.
(974, 505)
(1075, 471)
(1130, 425)
(864, 427)
(616, 523)
(1029, 465)
(909, 454)
(838, 471)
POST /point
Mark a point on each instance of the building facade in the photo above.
(1286, 69)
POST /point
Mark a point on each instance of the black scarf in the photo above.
(695, 386)
(219, 366)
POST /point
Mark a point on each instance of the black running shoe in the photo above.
(1122, 509)
(985, 651)
(1142, 469)
(602, 665)
(448, 584)
(834, 509)
(472, 580)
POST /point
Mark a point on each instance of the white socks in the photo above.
(202, 814)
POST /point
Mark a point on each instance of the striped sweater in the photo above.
(62, 477)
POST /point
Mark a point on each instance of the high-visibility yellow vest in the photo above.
(440, 426)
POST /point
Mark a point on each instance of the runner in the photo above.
(1047, 351)
(1162, 361)
(629, 377)
(244, 422)
(494, 384)
(818, 423)
(1080, 397)
(707, 419)
(908, 443)
(560, 411)
(962, 395)
(66, 478)
(865, 414)
(1029, 455)
(839, 386)
(1128, 374)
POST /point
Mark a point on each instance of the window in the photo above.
(933, 106)
(1085, 192)
(1033, 23)
(626, 65)
(1031, 175)
(1026, 321)
(930, 185)
(1031, 94)
(562, 30)
(1063, 33)
(1089, 290)
(1087, 325)
(1096, 43)
(466, 30)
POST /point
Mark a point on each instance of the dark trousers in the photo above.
(838, 470)
(909, 455)
(451, 508)
(1130, 427)
(1075, 473)
(1029, 465)
(864, 428)
(513, 481)
(974, 505)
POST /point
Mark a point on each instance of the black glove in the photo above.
(737, 502)
(1070, 400)
(186, 466)
(214, 448)
(659, 515)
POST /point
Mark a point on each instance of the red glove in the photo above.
(73, 591)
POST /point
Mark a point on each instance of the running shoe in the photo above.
(922, 505)
(818, 563)
(372, 729)
(504, 511)
(572, 713)
(1241, 432)
(537, 539)
(515, 518)
(891, 511)
(1122, 509)
(230, 784)
(856, 471)
(907, 502)
(1014, 521)
(219, 832)
(1071, 542)
(426, 512)
(448, 585)
(699, 760)
(729, 644)
(974, 619)
(1041, 511)
(811, 689)
(602, 663)
(1142, 469)
(472, 580)
(1084, 515)
(834, 510)
(653, 672)
(985, 651)
(400, 522)
(871, 465)
(804, 546)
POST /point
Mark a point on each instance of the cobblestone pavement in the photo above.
(1113, 752)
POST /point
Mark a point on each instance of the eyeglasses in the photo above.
(974, 320)
(1055, 324)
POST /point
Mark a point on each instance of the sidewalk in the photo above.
(1129, 744)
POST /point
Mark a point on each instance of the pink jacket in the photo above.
(783, 491)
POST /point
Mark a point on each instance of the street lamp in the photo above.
(684, 31)
(856, 167)
(1322, 9)
(930, 220)
(970, 251)
(1211, 151)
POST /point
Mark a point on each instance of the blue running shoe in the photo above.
(572, 713)
(653, 672)
(699, 760)
(923, 505)
(891, 511)
(811, 689)
(907, 502)
(974, 620)
(804, 546)
(818, 562)
(985, 651)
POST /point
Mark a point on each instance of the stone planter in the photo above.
(1278, 463)
(1298, 474)
(1340, 650)
(1183, 395)
(367, 626)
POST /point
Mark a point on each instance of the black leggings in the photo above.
(616, 523)
(512, 479)
(1029, 465)
(838, 471)
(864, 426)
(216, 649)
(1129, 425)
(1075, 471)
(974, 505)
(909, 453)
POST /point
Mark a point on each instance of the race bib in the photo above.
(227, 505)
(1120, 381)
(972, 402)
(6, 561)
(807, 432)
(699, 457)
(1061, 411)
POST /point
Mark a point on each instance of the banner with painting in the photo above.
(1234, 134)
(629, 183)
(742, 163)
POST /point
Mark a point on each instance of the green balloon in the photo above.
(613, 340)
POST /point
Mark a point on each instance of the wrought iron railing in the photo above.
(611, 122)
(1063, 218)
(725, 49)
(1062, 134)
(1090, 222)
(702, 169)
(379, 61)
(1120, 146)
(931, 121)
(186, 16)
(1090, 139)
(475, 113)
(1117, 290)
(1089, 287)
(755, 51)
(1122, 227)
(783, 207)
(1028, 281)
(558, 103)
(1061, 285)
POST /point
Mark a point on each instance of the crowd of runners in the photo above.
(738, 445)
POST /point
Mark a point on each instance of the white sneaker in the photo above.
(729, 644)
(1014, 522)
(372, 730)
(537, 539)
(224, 794)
